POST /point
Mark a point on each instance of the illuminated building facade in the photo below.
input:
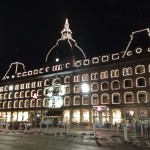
(71, 84)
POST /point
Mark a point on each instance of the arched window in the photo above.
(10, 95)
(95, 99)
(104, 86)
(6, 96)
(67, 89)
(39, 102)
(46, 82)
(67, 101)
(127, 83)
(94, 87)
(85, 100)
(21, 104)
(141, 82)
(77, 100)
(116, 98)
(127, 71)
(94, 76)
(45, 102)
(16, 95)
(140, 69)
(128, 97)
(39, 92)
(142, 97)
(22, 94)
(4, 105)
(26, 104)
(32, 103)
(16, 104)
(10, 104)
(76, 89)
(67, 79)
(115, 73)
(85, 77)
(115, 85)
(77, 78)
(105, 98)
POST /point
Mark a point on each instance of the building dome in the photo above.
(65, 48)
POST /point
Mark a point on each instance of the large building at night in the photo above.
(73, 88)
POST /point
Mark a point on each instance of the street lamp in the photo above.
(35, 118)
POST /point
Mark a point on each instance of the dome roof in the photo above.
(65, 48)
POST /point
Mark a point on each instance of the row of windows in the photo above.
(127, 83)
(78, 100)
(140, 69)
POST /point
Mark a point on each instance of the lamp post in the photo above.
(35, 118)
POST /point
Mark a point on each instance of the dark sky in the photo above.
(28, 29)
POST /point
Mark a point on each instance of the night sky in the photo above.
(28, 29)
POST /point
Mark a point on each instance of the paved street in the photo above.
(73, 138)
(21, 141)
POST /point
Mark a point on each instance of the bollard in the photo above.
(125, 133)
(94, 129)
(6, 127)
(25, 129)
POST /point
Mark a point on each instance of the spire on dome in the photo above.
(66, 32)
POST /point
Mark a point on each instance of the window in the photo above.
(4, 105)
(85, 100)
(76, 89)
(114, 73)
(116, 98)
(142, 97)
(15, 104)
(32, 103)
(105, 98)
(94, 87)
(10, 104)
(128, 97)
(104, 86)
(22, 86)
(94, 76)
(21, 104)
(127, 83)
(77, 78)
(85, 77)
(140, 69)
(39, 84)
(67, 79)
(26, 104)
(141, 82)
(67, 101)
(77, 100)
(67, 89)
(39, 102)
(46, 82)
(95, 99)
(33, 85)
(104, 75)
(127, 71)
(115, 85)
(27, 85)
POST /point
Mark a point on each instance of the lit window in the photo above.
(32, 103)
(15, 104)
(21, 104)
(77, 100)
(127, 71)
(27, 85)
(67, 79)
(26, 104)
(33, 85)
(22, 86)
(104, 75)
(140, 69)
(85, 100)
(95, 99)
(105, 98)
(17, 87)
(67, 101)
(67, 89)
(39, 84)
(85, 77)
(114, 73)
(94, 76)
(76, 89)
(77, 78)
(10, 95)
